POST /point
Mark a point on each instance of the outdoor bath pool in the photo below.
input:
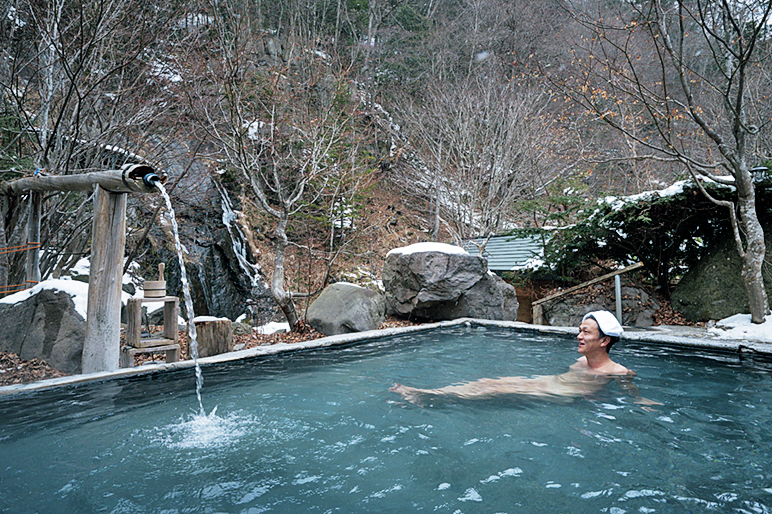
(318, 431)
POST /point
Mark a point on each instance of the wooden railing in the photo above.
(538, 313)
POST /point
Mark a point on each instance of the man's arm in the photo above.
(627, 385)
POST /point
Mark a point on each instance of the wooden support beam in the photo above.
(101, 347)
(129, 179)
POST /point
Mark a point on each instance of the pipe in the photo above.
(151, 179)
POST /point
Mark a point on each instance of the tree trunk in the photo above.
(4, 265)
(753, 256)
(280, 295)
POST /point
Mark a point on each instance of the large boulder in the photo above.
(713, 288)
(43, 323)
(436, 281)
(343, 308)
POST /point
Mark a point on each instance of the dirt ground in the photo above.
(14, 370)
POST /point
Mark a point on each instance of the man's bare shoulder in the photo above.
(610, 368)
(623, 371)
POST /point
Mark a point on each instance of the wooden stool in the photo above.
(136, 344)
(128, 353)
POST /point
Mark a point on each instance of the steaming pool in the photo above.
(319, 431)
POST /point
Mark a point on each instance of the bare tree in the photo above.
(79, 82)
(283, 127)
(674, 79)
(486, 145)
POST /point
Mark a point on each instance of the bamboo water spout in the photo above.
(131, 178)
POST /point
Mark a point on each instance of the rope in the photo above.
(32, 245)
(6, 290)
(15, 288)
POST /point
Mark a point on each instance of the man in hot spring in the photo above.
(598, 332)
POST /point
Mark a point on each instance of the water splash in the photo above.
(206, 432)
(188, 300)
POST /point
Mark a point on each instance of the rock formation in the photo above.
(343, 308)
(713, 288)
(431, 281)
(44, 326)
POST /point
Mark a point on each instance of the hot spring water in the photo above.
(319, 431)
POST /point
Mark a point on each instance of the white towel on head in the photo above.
(607, 323)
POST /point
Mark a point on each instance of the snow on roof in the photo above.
(509, 253)
(428, 247)
(77, 290)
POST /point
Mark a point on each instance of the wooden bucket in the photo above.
(155, 288)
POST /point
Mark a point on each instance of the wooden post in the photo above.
(538, 314)
(101, 347)
(33, 236)
(215, 335)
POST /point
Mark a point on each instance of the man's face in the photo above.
(589, 337)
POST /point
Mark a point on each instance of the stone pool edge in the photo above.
(655, 335)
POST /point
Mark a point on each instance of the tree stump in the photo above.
(214, 335)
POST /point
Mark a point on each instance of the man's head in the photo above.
(608, 326)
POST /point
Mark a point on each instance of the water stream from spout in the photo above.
(193, 343)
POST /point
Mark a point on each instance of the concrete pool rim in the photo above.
(651, 335)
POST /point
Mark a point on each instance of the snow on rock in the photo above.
(428, 247)
(739, 326)
(77, 290)
(82, 269)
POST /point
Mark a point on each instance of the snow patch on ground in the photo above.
(272, 328)
(739, 326)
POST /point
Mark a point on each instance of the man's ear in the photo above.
(605, 340)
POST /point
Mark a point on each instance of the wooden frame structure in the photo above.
(136, 344)
(101, 347)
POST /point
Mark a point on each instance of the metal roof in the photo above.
(507, 253)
